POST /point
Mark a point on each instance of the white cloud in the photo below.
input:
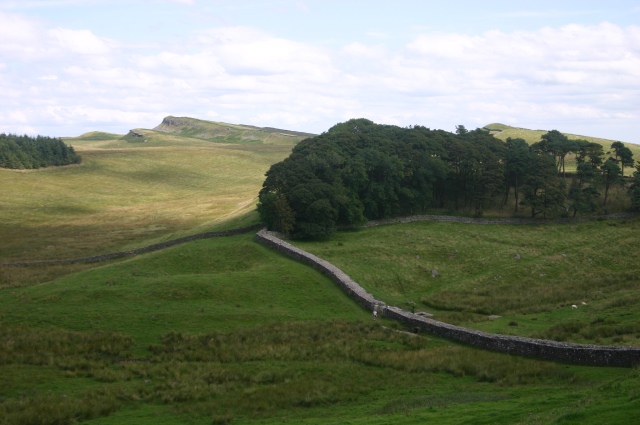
(361, 50)
(541, 65)
(18, 36)
(58, 78)
(82, 42)
(243, 50)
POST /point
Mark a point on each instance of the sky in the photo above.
(72, 66)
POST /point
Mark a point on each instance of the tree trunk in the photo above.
(515, 194)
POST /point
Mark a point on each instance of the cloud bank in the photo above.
(61, 81)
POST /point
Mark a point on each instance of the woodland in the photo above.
(359, 171)
(26, 152)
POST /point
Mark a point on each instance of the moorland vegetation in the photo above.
(225, 331)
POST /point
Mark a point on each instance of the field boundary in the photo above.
(372, 223)
(470, 220)
(138, 251)
(583, 354)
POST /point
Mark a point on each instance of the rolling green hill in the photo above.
(224, 331)
(185, 131)
(228, 133)
(502, 132)
(129, 194)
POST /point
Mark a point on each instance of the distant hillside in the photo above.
(96, 135)
(185, 131)
(503, 131)
(228, 133)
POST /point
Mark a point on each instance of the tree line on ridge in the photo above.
(359, 171)
(26, 152)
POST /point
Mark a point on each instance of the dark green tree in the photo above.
(634, 190)
(558, 145)
(461, 129)
(623, 155)
(611, 174)
(518, 158)
(543, 191)
(276, 213)
(589, 152)
(34, 152)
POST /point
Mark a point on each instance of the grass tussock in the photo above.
(363, 343)
(61, 348)
(58, 409)
(259, 371)
(403, 406)
(14, 277)
(598, 330)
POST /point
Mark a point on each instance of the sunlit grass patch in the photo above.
(125, 198)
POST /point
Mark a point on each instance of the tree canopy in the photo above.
(359, 171)
(22, 152)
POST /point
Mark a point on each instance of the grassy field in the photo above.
(480, 278)
(225, 331)
(127, 195)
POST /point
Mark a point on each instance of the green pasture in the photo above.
(213, 284)
(223, 331)
(480, 278)
(226, 331)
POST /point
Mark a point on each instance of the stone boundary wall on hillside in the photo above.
(138, 251)
(584, 354)
(470, 220)
(409, 219)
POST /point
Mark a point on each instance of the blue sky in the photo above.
(72, 66)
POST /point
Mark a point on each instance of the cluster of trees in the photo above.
(20, 152)
(359, 171)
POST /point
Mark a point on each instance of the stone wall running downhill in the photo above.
(138, 251)
(584, 354)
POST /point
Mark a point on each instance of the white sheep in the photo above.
(574, 306)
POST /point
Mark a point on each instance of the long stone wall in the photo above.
(138, 251)
(584, 354)
(470, 220)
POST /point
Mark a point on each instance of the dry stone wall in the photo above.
(143, 250)
(584, 354)
(470, 220)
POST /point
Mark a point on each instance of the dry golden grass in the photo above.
(124, 198)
